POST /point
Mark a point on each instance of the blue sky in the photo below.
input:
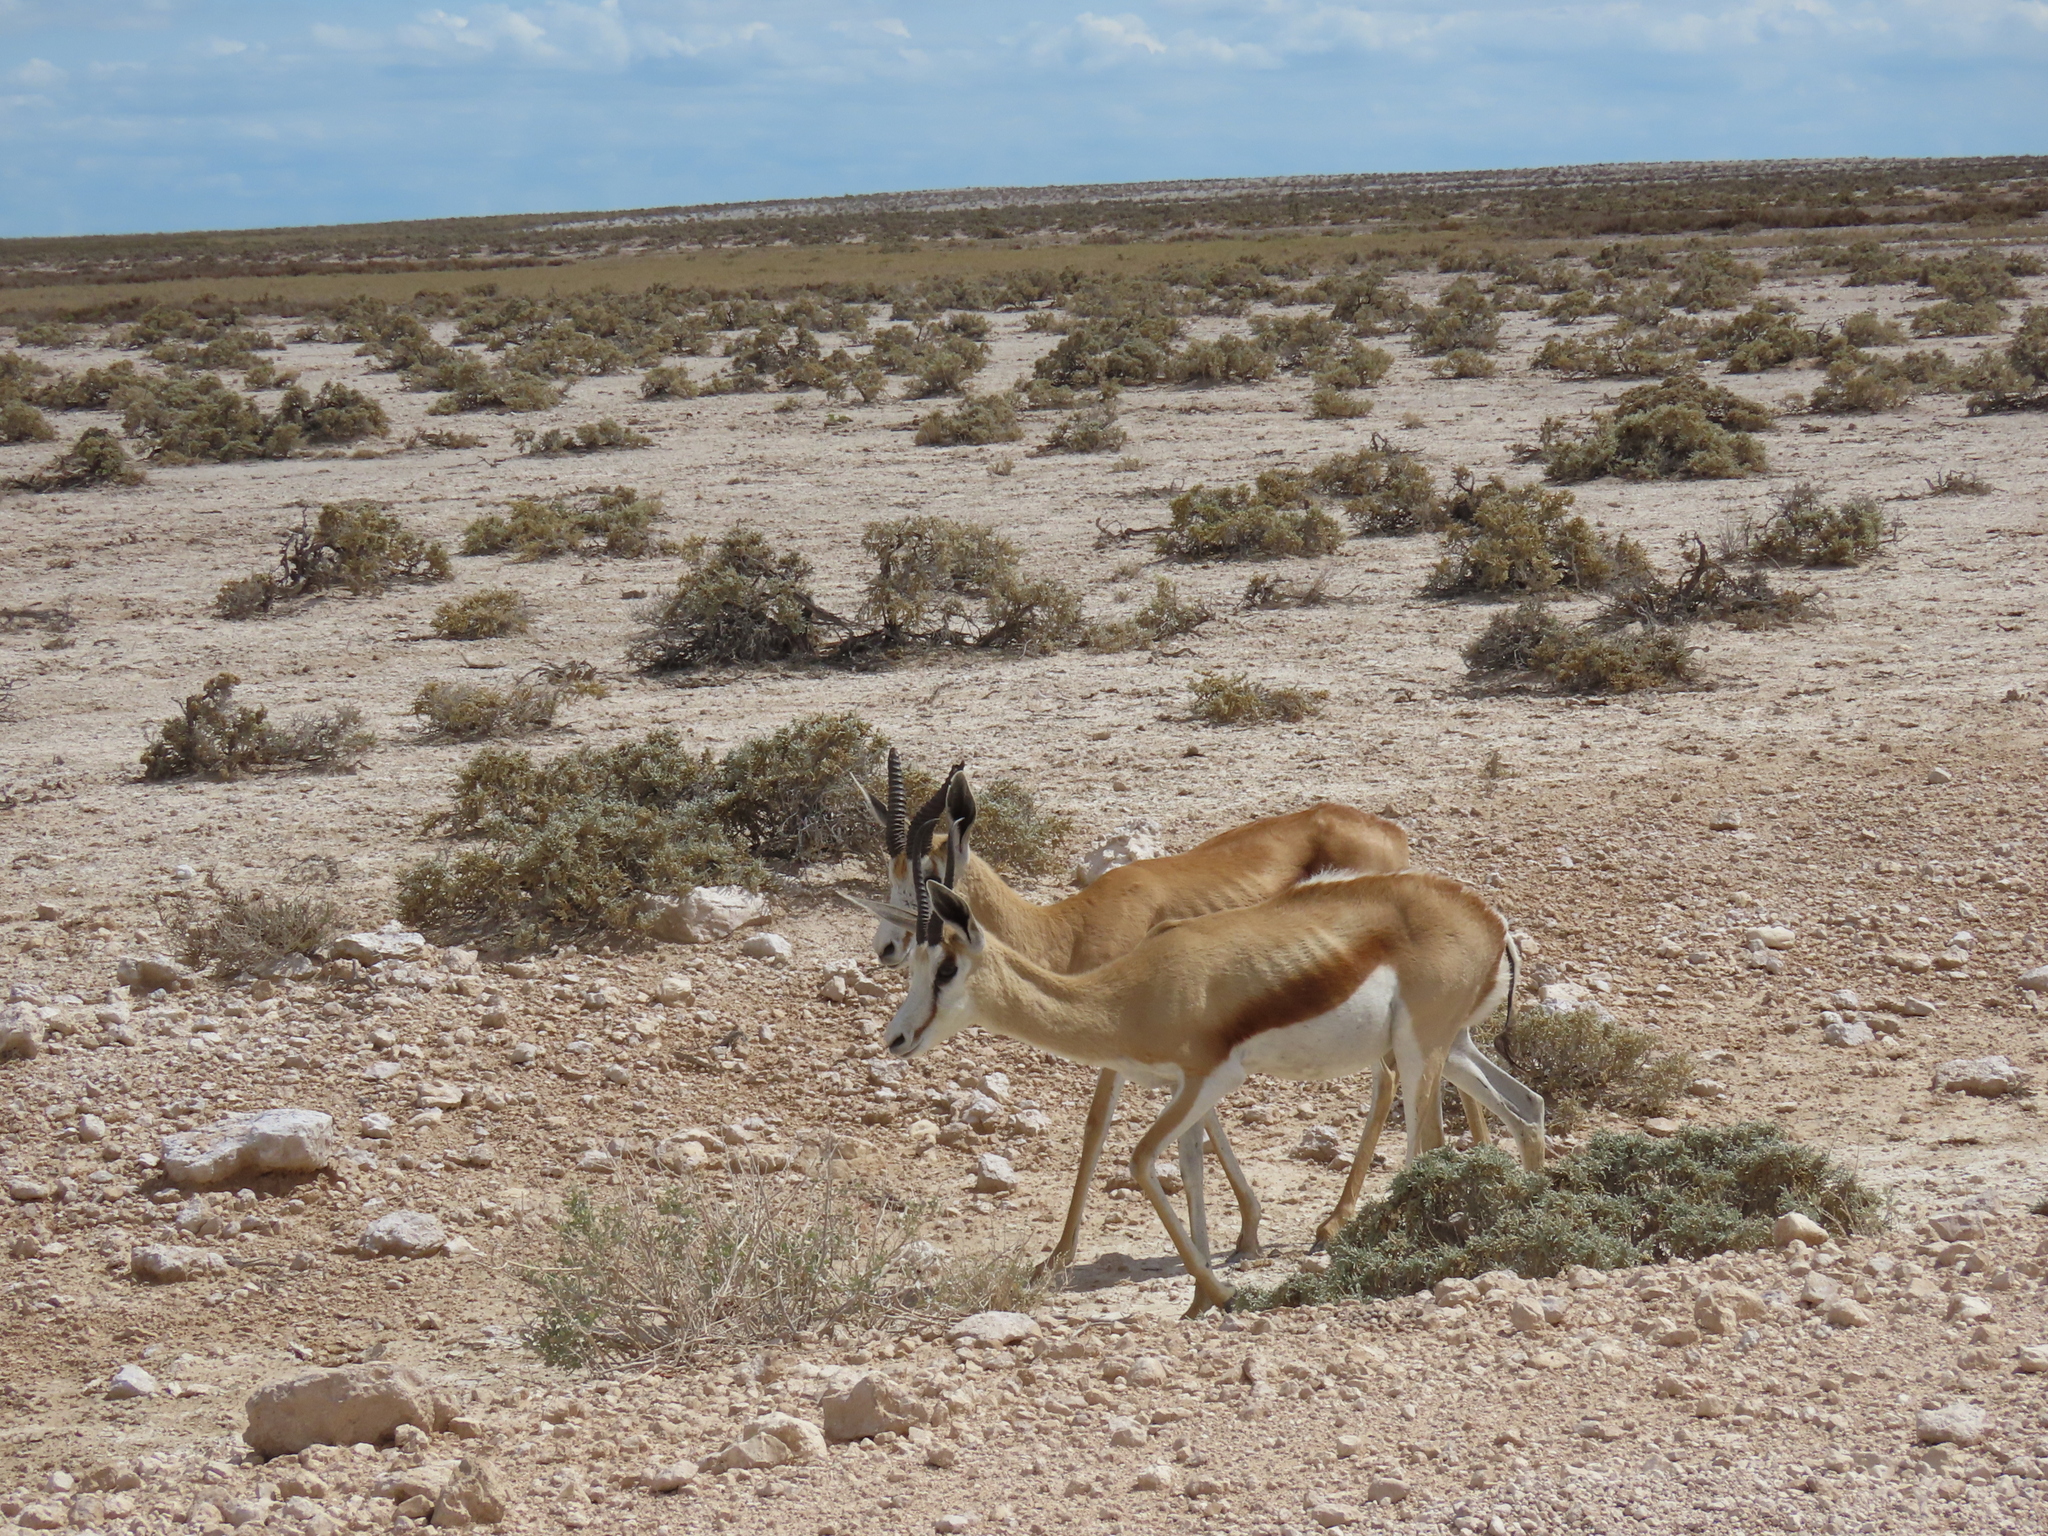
(119, 115)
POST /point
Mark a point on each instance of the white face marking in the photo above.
(1352, 1037)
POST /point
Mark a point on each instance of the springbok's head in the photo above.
(901, 834)
(947, 946)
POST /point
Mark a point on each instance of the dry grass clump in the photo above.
(358, 546)
(1527, 539)
(1866, 328)
(666, 383)
(978, 419)
(1626, 1200)
(1709, 591)
(217, 738)
(1957, 317)
(615, 521)
(1385, 489)
(580, 844)
(1165, 616)
(1682, 428)
(1235, 699)
(1092, 429)
(337, 414)
(251, 933)
(1804, 530)
(1959, 482)
(1464, 363)
(1269, 591)
(590, 437)
(1241, 522)
(461, 711)
(2016, 378)
(703, 1272)
(484, 615)
(1580, 658)
(740, 602)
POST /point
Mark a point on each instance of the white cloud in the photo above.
(226, 47)
(892, 26)
(1116, 35)
(39, 73)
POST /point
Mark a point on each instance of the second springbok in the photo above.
(1326, 980)
(1110, 917)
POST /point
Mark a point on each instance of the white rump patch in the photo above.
(1325, 876)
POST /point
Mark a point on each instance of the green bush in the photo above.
(1136, 349)
(355, 545)
(483, 615)
(1626, 1200)
(1327, 403)
(1234, 699)
(1804, 530)
(740, 602)
(472, 385)
(1861, 386)
(1682, 428)
(979, 419)
(1240, 523)
(21, 422)
(616, 521)
(194, 418)
(2016, 378)
(1955, 317)
(1527, 539)
(1509, 641)
(1230, 359)
(93, 390)
(942, 582)
(1092, 429)
(1866, 328)
(1385, 490)
(1464, 363)
(1582, 1059)
(590, 437)
(338, 414)
(1762, 338)
(1464, 319)
(461, 711)
(662, 383)
(1357, 367)
(217, 738)
(1623, 356)
(1713, 279)
(96, 458)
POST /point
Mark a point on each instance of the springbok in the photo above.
(1111, 916)
(1327, 979)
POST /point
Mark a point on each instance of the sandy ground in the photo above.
(1596, 839)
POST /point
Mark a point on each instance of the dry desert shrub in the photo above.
(1804, 530)
(1092, 429)
(590, 437)
(1464, 363)
(1622, 355)
(1463, 319)
(1709, 591)
(1580, 658)
(942, 582)
(1385, 489)
(1958, 317)
(95, 458)
(215, 737)
(1235, 699)
(1328, 403)
(978, 419)
(666, 383)
(1229, 359)
(2015, 378)
(1527, 539)
(251, 932)
(1959, 482)
(704, 1272)
(21, 422)
(1165, 616)
(358, 546)
(337, 414)
(1128, 349)
(1866, 328)
(1862, 385)
(1356, 367)
(1713, 279)
(616, 521)
(183, 418)
(740, 602)
(1683, 428)
(1241, 522)
(472, 385)
(463, 711)
(483, 615)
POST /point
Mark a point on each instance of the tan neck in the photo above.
(1044, 935)
(1073, 1018)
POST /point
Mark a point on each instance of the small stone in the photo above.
(1984, 1077)
(1138, 838)
(1349, 1446)
(772, 947)
(1386, 1490)
(1710, 1405)
(403, 1234)
(1149, 1371)
(950, 1525)
(352, 1405)
(993, 1174)
(2035, 980)
(525, 1054)
(132, 1381)
(669, 1477)
(1683, 1336)
(1792, 1227)
(150, 973)
(871, 1406)
(1724, 821)
(471, 1496)
(378, 1127)
(1957, 1424)
(1661, 1128)
(804, 1440)
(1525, 1315)
(391, 942)
(21, 1032)
(1940, 776)
(1969, 1309)
(1330, 1516)
(1321, 1144)
(164, 1264)
(2033, 1359)
(1125, 1433)
(720, 911)
(992, 1328)
(1157, 1478)
(275, 1141)
(1847, 1032)
(1847, 1312)
(1772, 936)
(675, 989)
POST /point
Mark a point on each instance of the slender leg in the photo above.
(1191, 1185)
(1422, 1087)
(1475, 1118)
(1240, 1186)
(1191, 1104)
(1361, 1161)
(1101, 1110)
(1519, 1106)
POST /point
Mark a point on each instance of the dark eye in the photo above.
(948, 969)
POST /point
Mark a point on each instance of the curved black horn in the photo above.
(926, 926)
(918, 840)
(896, 829)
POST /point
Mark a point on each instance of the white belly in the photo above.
(1352, 1037)
(1147, 1074)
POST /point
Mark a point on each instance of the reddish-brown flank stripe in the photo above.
(1308, 995)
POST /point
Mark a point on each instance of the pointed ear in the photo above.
(949, 908)
(881, 910)
(876, 810)
(960, 807)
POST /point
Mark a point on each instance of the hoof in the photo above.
(1052, 1264)
(1244, 1255)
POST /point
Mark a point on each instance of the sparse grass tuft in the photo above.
(1580, 658)
(1959, 482)
(1804, 530)
(617, 521)
(1464, 363)
(1626, 1200)
(720, 1272)
(249, 933)
(215, 737)
(1329, 403)
(460, 711)
(483, 615)
(590, 437)
(1527, 539)
(1242, 523)
(1166, 616)
(1234, 699)
(1092, 429)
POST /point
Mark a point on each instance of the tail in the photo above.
(1504, 1042)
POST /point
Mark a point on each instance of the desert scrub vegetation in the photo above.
(1627, 1199)
(1166, 615)
(337, 414)
(470, 384)
(1803, 530)
(1860, 384)
(942, 582)
(1526, 538)
(1958, 317)
(21, 422)
(1229, 359)
(1709, 590)
(217, 737)
(1712, 279)
(1012, 831)
(1624, 354)
(1463, 319)
(1584, 1060)
(590, 437)
(662, 382)
(1132, 348)
(1683, 428)
(1580, 658)
(183, 418)
(357, 546)
(1867, 328)
(95, 457)
(2016, 377)
(615, 521)
(1092, 429)
(1385, 490)
(1764, 337)
(1464, 363)
(464, 711)
(741, 602)
(1271, 520)
(977, 419)
(1220, 698)
(484, 615)
(1356, 367)
(703, 1272)
(586, 842)
(1327, 403)
(250, 933)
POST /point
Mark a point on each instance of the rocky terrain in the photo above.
(217, 1187)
